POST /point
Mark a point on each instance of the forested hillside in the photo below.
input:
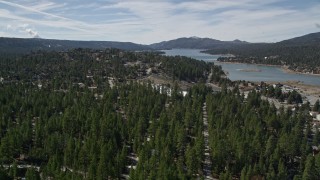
(24, 46)
(253, 139)
(93, 68)
(301, 54)
(87, 114)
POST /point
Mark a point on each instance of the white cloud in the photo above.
(22, 28)
(32, 33)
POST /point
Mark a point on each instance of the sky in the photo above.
(151, 21)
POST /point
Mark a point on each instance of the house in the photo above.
(286, 88)
(184, 93)
(315, 150)
(277, 85)
(92, 87)
(313, 114)
(81, 85)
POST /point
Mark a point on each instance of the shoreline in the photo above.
(289, 71)
(228, 62)
(310, 92)
(285, 69)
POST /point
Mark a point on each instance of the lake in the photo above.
(248, 72)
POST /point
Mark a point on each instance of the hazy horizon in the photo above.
(156, 42)
(145, 22)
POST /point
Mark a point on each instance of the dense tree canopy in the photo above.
(52, 126)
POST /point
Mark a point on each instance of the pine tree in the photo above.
(271, 173)
(309, 170)
(13, 170)
(317, 165)
(190, 161)
(92, 169)
(316, 106)
(4, 175)
(32, 174)
(102, 165)
(282, 171)
(243, 173)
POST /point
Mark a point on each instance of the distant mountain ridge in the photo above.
(195, 43)
(20, 45)
(309, 39)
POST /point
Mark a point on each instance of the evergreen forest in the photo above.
(92, 114)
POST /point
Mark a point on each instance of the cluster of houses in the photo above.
(285, 88)
(163, 89)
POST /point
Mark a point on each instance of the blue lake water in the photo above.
(266, 73)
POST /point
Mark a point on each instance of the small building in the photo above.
(315, 150)
(313, 114)
(92, 87)
(184, 93)
(277, 85)
(81, 85)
